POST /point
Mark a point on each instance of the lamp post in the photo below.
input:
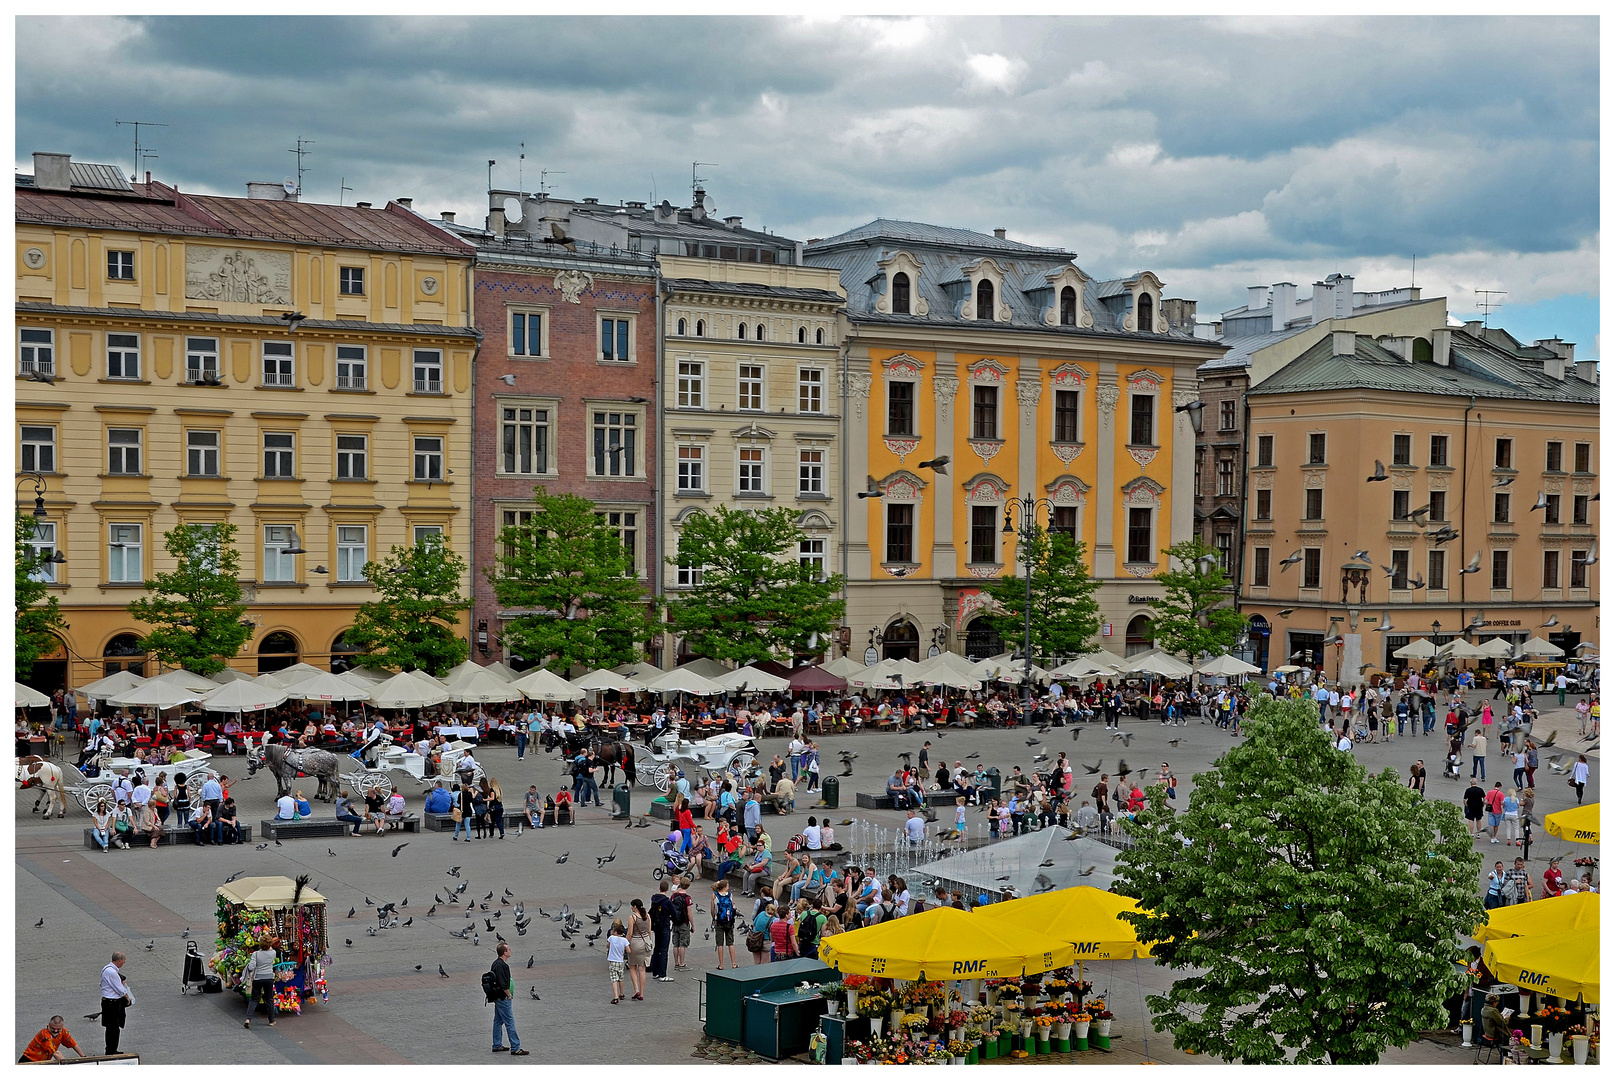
(41, 486)
(1027, 507)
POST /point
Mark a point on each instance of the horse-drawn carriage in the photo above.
(383, 756)
(90, 791)
(730, 754)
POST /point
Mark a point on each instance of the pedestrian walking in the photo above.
(617, 958)
(259, 977)
(116, 997)
(1474, 806)
(661, 924)
(639, 946)
(1578, 776)
(1477, 759)
(723, 922)
(499, 987)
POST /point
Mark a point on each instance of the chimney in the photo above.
(1345, 296)
(362, 206)
(1283, 303)
(1401, 346)
(1256, 299)
(1345, 343)
(407, 204)
(51, 172)
(1323, 301)
(1564, 350)
(698, 211)
(267, 190)
(1441, 346)
(732, 222)
(1587, 371)
(1554, 367)
(496, 221)
(448, 216)
(591, 202)
(1000, 233)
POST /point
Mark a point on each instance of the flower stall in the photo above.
(254, 910)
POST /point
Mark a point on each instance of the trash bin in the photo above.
(620, 804)
(831, 796)
(995, 782)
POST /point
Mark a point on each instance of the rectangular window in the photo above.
(1500, 507)
(278, 463)
(1264, 451)
(429, 458)
(1316, 442)
(352, 552)
(1312, 568)
(810, 390)
(1438, 450)
(625, 523)
(427, 532)
(1143, 427)
(900, 408)
(1550, 512)
(1399, 567)
(1063, 519)
(1140, 535)
(1438, 506)
(42, 544)
(123, 356)
(352, 453)
(616, 439)
(350, 280)
(1225, 551)
(614, 340)
(810, 472)
(1199, 470)
(1313, 510)
(277, 363)
(689, 575)
(120, 265)
(1578, 509)
(1578, 569)
(1499, 569)
(1225, 476)
(350, 367)
(750, 470)
(900, 532)
(1264, 504)
(124, 561)
(513, 518)
(526, 333)
(524, 435)
(983, 534)
(38, 449)
(202, 453)
(751, 387)
(1067, 415)
(1401, 449)
(1225, 416)
(1400, 505)
(1555, 457)
(278, 565)
(123, 451)
(1550, 569)
(1436, 570)
(984, 412)
(201, 359)
(810, 553)
(692, 468)
(1503, 456)
(428, 371)
(1261, 564)
(36, 352)
(1584, 457)
(692, 384)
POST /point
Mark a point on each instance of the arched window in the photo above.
(818, 336)
(1068, 306)
(759, 331)
(700, 328)
(981, 640)
(681, 327)
(276, 651)
(801, 335)
(1146, 313)
(902, 641)
(900, 298)
(742, 334)
(344, 654)
(984, 300)
(123, 653)
(1140, 635)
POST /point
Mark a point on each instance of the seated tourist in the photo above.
(228, 830)
(394, 816)
(285, 808)
(344, 811)
(438, 800)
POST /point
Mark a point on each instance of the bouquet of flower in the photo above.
(1011, 1005)
(958, 1018)
(1082, 987)
(982, 1015)
(1553, 1018)
(833, 991)
(873, 1003)
(1055, 985)
(1101, 1013)
(1576, 1029)
(958, 1048)
(1031, 986)
(937, 1023)
(1043, 1022)
(1081, 1016)
(915, 1022)
(855, 982)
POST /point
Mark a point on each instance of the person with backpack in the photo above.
(661, 924)
(497, 986)
(807, 929)
(682, 907)
(723, 922)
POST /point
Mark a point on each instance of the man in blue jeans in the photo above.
(504, 1016)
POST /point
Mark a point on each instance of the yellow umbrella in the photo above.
(1087, 917)
(1579, 824)
(1563, 965)
(1553, 915)
(944, 943)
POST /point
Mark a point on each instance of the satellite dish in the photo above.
(513, 210)
(708, 205)
(666, 208)
(290, 185)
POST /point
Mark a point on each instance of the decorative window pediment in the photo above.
(815, 521)
(1067, 491)
(1145, 382)
(896, 263)
(985, 488)
(1146, 292)
(1068, 278)
(902, 367)
(984, 269)
(988, 371)
(752, 433)
(902, 485)
(1142, 492)
(1069, 376)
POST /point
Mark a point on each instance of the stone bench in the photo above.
(296, 830)
(883, 801)
(172, 834)
(439, 822)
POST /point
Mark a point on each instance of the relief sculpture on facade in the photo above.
(236, 276)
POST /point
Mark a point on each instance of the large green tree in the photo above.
(570, 569)
(38, 611)
(1194, 617)
(415, 624)
(1065, 615)
(756, 600)
(1318, 906)
(195, 611)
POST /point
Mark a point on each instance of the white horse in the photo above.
(48, 775)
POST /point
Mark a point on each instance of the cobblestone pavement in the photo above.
(382, 1010)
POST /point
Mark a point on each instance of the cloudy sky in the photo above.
(1219, 153)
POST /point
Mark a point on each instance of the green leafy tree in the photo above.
(1197, 590)
(756, 600)
(1065, 615)
(569, 567)
(38, 611)
(415, 625)
(1318, 906)
(195, 611)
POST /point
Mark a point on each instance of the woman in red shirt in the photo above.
(685, 820)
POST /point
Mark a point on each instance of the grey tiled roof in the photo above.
(737, 288)
(918, 232)
(1241, 349)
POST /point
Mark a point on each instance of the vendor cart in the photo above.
(251, 910)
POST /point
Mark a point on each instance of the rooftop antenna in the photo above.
(300, 152)
(491, 164)
(695, 180)
(521, 161)
(1487, 304)
(653, 189)
(1413, 282)
(544, 180)
(140, 154)
(342, 187)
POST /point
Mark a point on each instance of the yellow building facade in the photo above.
(160, 381)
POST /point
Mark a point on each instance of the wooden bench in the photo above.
(172, 834)
(296, 830)
(883, 801)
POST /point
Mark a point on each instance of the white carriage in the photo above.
(390, 758)
(730, 754)
(89, 791)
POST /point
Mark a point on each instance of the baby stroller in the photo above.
(674, 861)
(1450, 772)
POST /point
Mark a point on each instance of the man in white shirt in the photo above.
(141, 794)
(116, 997)
(1344, 743)
(794, 751)
(914, 828)
(813, 836)
(1334, 703)
(285, 808)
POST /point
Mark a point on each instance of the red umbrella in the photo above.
(814, 679)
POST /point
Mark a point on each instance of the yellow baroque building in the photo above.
(1034, 380)
(301, 371)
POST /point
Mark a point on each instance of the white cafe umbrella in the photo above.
(29, 698)
(845, 667)
(185, 680)
(753, 681)
(683, 681)
(705, 666)
(155, 695)
(116, 683)
(1459, 649)
(297, 671)
(369, 675)
(1417, 649)
(354, 677)
(327, 687)
(642, 671)
(245, 696)
(1159, 663)
(606, 679)
(461, 672)
(483, 687)
(947, 661)
(229, 675)
(498, 668)
(1498, 648)
(1227, 665)
(870, 678)
(406, 691)
(943, 675)
(1083, 667)
(1538, 647)
(542, 685)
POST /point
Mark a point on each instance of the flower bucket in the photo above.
(1556, 1045)
(1469, 1030)
(974, 1056)
(1578, 1049)
(958, 1059)
(989, 1050)
(1066, 997)
(1006, 1042)
(896, 1019)
(1082, 1028)
(1026, 1028)
(852, 1004)
(875, 1023)
(1043, 1043)
(1029, 1000)
(956, 1034)
(1062, 1046)
(1103, 1028)
(832, 1007)
(1062, 1030)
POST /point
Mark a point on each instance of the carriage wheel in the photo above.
(379, 780)
(91, 794)
(666, 775)
(741, 762)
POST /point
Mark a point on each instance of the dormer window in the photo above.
(900, 294)
(1146, 313)
(984, 300)
(1068, 306)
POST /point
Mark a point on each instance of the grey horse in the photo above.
(286, 763)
